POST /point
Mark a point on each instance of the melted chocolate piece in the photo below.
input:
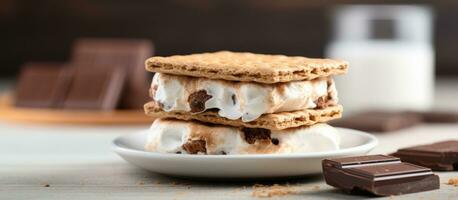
(379, 175)
(195, 146)
(251, 135)
(275, 141)
(197, 101)
(321, 102)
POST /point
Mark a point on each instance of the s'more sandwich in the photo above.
(242, 103)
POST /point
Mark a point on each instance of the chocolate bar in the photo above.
(42, 85)
(127, 53)
(95, 89)
(438, 116)
(442, 156)
(379, 175)
(379, 121)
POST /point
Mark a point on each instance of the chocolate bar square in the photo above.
(436, 116)
(95, 89)
(42, 85)
(379, 175)
(442, 156)
(379, 121)
(127, 53)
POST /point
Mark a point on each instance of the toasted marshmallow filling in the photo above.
(235, 100)
(184, 137)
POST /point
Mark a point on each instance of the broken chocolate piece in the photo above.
(197, 101)
(42, 85)
(378, 121)
(129, 54)
(378, 174)
(195, 146)
(95, 89)
(251, 135)
(441, 156)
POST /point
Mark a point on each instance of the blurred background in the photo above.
(412, 45)
(45, 30)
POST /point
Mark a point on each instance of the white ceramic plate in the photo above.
(130, 148)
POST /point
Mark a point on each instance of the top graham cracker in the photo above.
(251, 67)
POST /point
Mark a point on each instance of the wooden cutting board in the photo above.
(9, 112)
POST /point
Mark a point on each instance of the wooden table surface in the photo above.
(76, 162)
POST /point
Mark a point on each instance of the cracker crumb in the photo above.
(316, 187)
(270, 191)
(140, 183)
(453, 181)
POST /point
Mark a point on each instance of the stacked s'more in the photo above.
(242, 103)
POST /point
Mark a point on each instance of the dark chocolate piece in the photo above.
(441, 156)
(437, 116)
(321, 102)
(378, 174)
(379, 121)
(195, 147)
(95, 89)
(251, 135)
(197, 101)
(440, 117)
(42, 85)
(127, 53)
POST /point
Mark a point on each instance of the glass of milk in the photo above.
(390, 53)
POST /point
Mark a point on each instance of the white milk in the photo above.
(385, 73)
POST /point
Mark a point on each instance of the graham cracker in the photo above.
(236, 66)
(275, 121)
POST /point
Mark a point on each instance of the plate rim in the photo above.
(371, 144)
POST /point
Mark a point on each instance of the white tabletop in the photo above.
(77, 163)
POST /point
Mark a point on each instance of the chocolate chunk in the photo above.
(197, 101)
(378, 121)
(251, 135)
(195, 146)
(440, 117)
(321, 102)
(441, 156)
(378, 174)
(95, 89)
(129, 54)
(42, 85)
(275, 141)
(437, 116)
(234, 99)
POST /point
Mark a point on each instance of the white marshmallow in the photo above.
(168, 136)
(251, 99)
